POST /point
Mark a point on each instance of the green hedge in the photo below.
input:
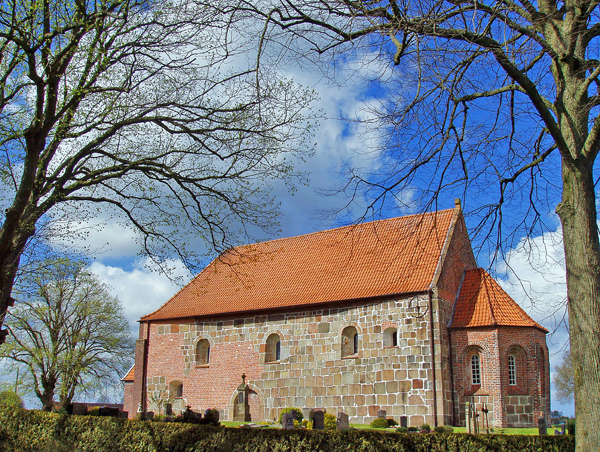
(25, 431)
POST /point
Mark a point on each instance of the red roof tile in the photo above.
(130, 375)
(482, 302)
(385, 257)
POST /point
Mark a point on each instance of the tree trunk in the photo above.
(577, 212)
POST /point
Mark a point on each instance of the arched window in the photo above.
(475, 370)
(349, 341)
(390, 337)
(512, 370)
(176, 389)
(273, 352)
(202, 352)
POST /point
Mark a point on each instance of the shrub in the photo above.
(413, 429)
(448, 429)
(439, 429)
(401, 430)
(379, 423)
(426, 428)
(94, 411)
(391, 422)
(571, 426)
(299, 415)
(330, 422)
(11, 399)
(307, 424)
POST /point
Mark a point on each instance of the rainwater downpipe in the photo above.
(432, 345)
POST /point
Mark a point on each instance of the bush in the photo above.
(299, 415)
(11, 399)
(426, 428)
(379, 423)
(571, 427)
(413, 429)
(448, 429)
(330, 422)
(391, 422)
(401, 430)
(36, 431)
(94, 411)
(439, 429)
(307, 424)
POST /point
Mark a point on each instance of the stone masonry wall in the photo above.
(311, 372)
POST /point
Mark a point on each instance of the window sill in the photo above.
(391, 346)
(273, 362)
(202, 366)
(350, 357)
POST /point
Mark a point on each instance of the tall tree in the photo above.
(68, 334)
(498, 99)
(149, 110)
(564, 379)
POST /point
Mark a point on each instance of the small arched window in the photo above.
(273, 352)
(512, 370)
(176, 389)
(349, 341)
(390, 337)
(202, 352)
(475, 370)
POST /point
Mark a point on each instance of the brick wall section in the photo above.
(311, 372)
(510, 406)
(128, 404)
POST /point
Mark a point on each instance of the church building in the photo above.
(388, 315)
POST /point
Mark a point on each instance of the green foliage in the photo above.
(571, 427)
(379, 423)
(402, 430)
(94, 411)
(33, 431)
(413, 429)
(426, 427)
(11, 398)
(391, 422)
(299, 415)
(330, 422)
(448, 429)
(439, 429)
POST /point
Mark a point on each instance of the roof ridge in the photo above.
(348, 226)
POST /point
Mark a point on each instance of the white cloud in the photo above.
(142, 290)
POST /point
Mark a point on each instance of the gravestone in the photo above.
(241, 410)
(318, 419)
(542, 427)
(168, 409)
(468, 417)
(342, 421)
(563, 428)
(287, 421)
(381, 414)
(109, 411)
(404, 421)
(80, 408)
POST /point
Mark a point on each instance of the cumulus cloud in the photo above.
(142, 289)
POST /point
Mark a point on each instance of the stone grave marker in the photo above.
(563, 428)
(404, 421)
(288, 421)
(542, 427)
(318, 418)
(342, 421)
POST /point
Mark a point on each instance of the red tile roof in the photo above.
(482, 302)
(130, 375)
(385, 257)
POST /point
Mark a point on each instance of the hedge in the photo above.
(22, 430)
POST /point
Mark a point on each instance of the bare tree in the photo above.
(68, 333)
(498, 100)
(151, 111)
(564, 379)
